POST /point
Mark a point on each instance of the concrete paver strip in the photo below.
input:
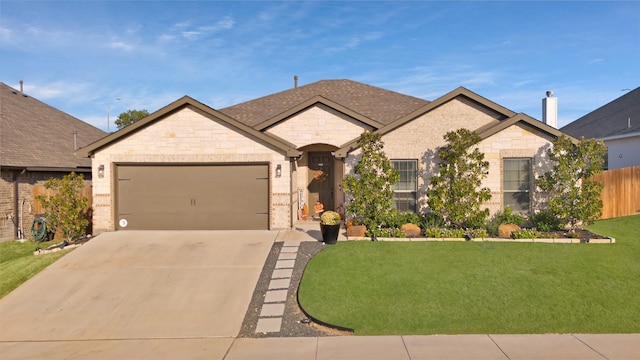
(279, 284)
(285, 264)
(268, 325)
(546, 346)
(281, 273)
(272, 310)
(287, 256)
(273, 296)
(478, 347)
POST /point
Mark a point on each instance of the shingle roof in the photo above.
(380, 105)
(36, 135)
(609, 120)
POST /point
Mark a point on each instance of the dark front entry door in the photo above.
(321, 180)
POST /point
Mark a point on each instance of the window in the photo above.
(405, 190)
(516, 175)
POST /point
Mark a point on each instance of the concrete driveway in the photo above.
(160, 292)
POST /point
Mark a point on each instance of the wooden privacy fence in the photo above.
(41, 190)
(621, 193)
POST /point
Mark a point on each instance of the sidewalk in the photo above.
(618, 346)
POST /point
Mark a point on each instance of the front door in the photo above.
(321, 180)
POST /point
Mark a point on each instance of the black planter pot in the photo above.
(330, 233)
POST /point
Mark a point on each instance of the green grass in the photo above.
(405, 288)
(18, 264)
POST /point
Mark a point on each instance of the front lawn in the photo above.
(405, 288)
(18, 264)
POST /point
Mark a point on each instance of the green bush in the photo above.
(431, 220)
(385, 232)
(477, 233)
(526, 234)
(444, 233)
(545, 221)
(397, 219)
(503, 217)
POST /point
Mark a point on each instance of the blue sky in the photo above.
(93, 58)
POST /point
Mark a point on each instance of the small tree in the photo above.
(129, 117)
(574, 198)
(371, 189)
(455, 193)
(65, 209)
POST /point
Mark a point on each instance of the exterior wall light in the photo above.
(101, 171)
(278, 170)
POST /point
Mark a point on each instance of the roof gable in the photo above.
(618, 118)
(370, 102)
(314, 101)
(36, 135)
(177, 105)
(497, 111)
(520, 118)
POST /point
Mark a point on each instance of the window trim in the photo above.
(407, 191)
(528, 191)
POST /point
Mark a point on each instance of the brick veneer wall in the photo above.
(26, 212)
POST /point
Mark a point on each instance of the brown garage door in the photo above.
(212, 197)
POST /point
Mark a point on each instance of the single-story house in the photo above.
(618, 125)
(256, 164)
(37, 142)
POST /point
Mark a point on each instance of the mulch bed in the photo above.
(294, 322)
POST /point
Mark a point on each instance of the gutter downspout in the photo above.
(16, 213)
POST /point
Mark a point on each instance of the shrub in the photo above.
(444, 233)
(546, 221)
(431, 220)
(330, 218)
(504, 217)
(397, 218)
(65, 209)
(526, 234)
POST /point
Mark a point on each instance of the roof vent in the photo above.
(295, 81)
(21, 87)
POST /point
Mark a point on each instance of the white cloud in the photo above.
(119, 45)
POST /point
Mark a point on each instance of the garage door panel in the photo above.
(223, 197)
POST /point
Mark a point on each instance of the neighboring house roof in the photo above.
(611, 120)
(177, 105)
(34, 135)
(379, 105)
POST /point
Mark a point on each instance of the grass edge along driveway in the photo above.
(18, 264)
(407, 288)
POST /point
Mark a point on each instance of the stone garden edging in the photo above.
(540, 240)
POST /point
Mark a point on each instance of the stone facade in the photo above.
(188, 136)
(194, 135)
(516, 141)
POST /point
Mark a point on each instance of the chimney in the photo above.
(550, 110)
(21, 87)
(295, 81)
